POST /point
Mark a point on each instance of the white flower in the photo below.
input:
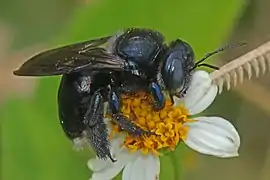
(207, 135)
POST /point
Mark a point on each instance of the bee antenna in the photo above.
(224, 48)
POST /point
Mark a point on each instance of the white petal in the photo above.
(205, 101)
(105, 170)
(143, 168)
(108, 173)
(213, 136)
(201, 92)
(96, 164)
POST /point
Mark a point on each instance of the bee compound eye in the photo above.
(173, 72)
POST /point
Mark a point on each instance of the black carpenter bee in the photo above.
(100, 70)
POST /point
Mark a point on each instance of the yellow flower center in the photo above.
(166, 125)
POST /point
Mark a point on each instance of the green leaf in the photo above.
(35, 147)
(204, 24)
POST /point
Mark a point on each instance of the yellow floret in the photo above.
(166, 125)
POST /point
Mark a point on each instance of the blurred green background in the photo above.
(33, 145)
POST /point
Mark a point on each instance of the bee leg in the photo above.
(161, 92)
(157, 94)
(114, 100)
(128, 125)
(96, 130)
(121, 120)
(98, 138)
(96, 104)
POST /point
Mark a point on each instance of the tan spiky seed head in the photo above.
(256, 61)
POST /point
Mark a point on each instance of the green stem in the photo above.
(176, 165)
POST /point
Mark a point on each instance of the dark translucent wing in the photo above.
(71, 58)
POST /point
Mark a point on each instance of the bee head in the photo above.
(177, 67)
(179, 64)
